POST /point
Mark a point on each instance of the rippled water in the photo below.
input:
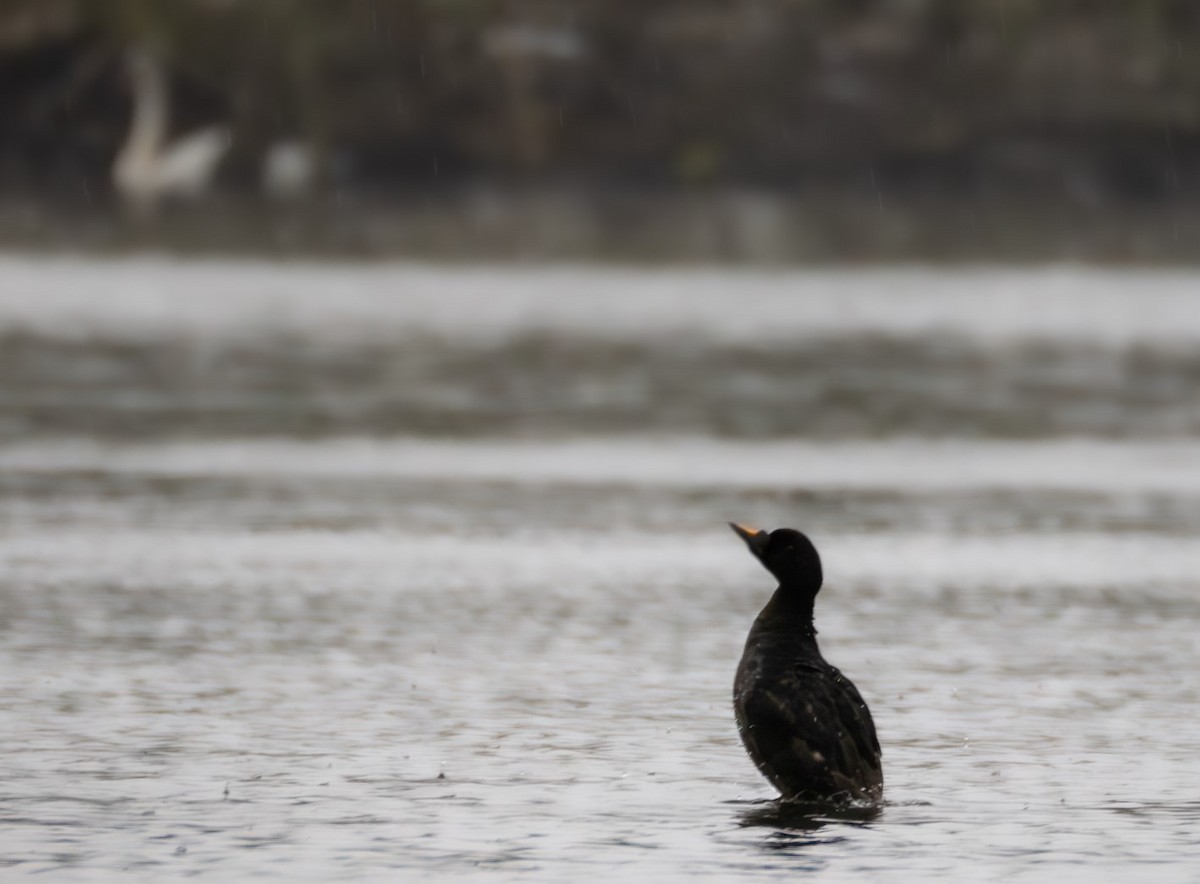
(399, 572)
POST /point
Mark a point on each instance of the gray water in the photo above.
(401, 572)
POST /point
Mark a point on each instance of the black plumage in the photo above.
(804, 724)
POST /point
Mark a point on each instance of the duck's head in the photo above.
(786, 553)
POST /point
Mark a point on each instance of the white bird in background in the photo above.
(147, 169)
(288, 170)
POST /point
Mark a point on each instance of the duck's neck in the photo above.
(790, 611)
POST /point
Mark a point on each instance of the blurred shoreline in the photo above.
(724, 226)
(809, 133)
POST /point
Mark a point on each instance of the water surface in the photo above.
(403, 572)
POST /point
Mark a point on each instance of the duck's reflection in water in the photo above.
(795, 824)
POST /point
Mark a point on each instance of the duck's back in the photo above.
(804, 724)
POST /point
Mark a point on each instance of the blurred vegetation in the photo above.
(1078, 103)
